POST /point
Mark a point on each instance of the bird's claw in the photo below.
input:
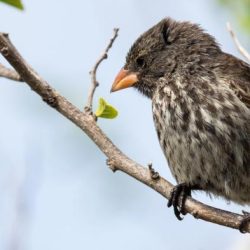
(177, 199)
(244, 222)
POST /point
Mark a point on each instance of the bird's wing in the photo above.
(243, 92)
(237, 75)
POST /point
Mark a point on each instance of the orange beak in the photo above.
(123, 80)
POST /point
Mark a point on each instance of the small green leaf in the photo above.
(16, 3)
(105, 110)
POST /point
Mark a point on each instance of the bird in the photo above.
(201, 109)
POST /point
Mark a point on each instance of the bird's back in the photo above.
(237, 74)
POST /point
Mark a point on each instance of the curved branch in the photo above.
(94, 82)
(117, 160)
(238, 45)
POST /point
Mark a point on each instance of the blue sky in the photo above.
(56, 191)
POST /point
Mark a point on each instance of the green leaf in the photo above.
(105, 110)
(16, 3)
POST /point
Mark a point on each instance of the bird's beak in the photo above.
(123, 80)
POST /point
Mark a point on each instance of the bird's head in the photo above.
(160, 51)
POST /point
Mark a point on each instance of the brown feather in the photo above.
(237, 74)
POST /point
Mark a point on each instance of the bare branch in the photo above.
(240, 48)
(9, 73)
(117, 160)
(94, 82)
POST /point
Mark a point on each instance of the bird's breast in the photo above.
(204, 139)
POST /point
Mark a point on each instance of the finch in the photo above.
(201, 109)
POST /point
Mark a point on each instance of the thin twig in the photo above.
(9, 73)
(238, 45)
(117, 160)
(94, 82)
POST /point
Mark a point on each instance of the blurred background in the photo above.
(55, 190)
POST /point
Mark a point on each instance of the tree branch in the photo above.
(238, 45)
(117, 160)
(9, 73)
(94, 82)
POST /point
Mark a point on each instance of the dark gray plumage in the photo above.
(201, 107)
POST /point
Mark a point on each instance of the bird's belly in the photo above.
(202, 159)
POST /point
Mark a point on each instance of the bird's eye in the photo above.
(140, 62)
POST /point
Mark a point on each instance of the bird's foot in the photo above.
(178, 197)
(244, 221)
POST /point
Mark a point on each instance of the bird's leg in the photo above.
(178, 197)
(244, 221)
